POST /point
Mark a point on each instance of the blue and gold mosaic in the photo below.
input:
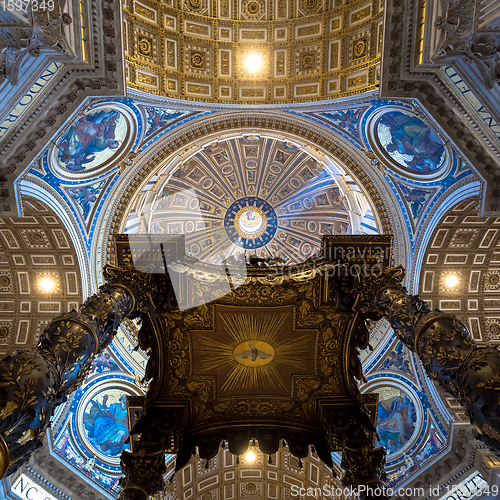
(241, 189)
(250, 222)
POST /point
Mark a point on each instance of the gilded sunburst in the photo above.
(255, 352)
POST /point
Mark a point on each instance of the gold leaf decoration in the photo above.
(492, 433)
(494, 383)
(27, 436)
(232, 354)
(307, 315)
(9, 408)
(201, 388)
(199, 317)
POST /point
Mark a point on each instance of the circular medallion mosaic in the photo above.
(410, 142)
(250, 223)
(396, 418)
(105, 422)
(93, 142)
(93, 139)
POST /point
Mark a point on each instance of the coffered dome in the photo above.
(253, 51)
(255, 195)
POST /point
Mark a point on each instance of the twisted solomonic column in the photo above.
(34, 382)
(364, 471)
(469, 372)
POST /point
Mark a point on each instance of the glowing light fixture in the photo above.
(253, 62)
(451, 281)
(250, 456)
(47, 285)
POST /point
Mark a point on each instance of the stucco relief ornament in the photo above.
(127, 162)
(452, 29)
(13, 48)
(47, 32)
(460, 40)
(49, 29)
(484, 48)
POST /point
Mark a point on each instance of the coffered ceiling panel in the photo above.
(304, 49)
(39, 275)
(251, 195)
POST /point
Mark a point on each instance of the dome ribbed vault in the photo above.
(252, 194)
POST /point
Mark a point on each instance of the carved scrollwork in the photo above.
(383, 295)
(365, 466)
(138, 284)
(143, 474)
(259, 294)
(461, 40)
(308, 315)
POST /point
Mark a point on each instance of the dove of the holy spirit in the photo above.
(254, 353)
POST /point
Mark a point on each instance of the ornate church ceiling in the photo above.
(33, 248)
(306, 49)
(311, 50)
(255, 476)
(465, 246)
(268, 184)
(255, 195)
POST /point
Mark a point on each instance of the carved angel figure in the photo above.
(459, 39)
(14, 45)
(49, 28)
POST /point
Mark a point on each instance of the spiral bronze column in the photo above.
(34, 382)
(143, 474)
(469, 372)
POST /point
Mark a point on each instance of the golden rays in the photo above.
(254, 352)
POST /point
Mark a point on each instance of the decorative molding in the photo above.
(62, 477)
(67, 93)
(207, 129)
(450, 467)
(400, 79)
(192, 53)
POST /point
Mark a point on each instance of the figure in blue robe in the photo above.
(107, 426)
(91, 135)
(395, 425)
